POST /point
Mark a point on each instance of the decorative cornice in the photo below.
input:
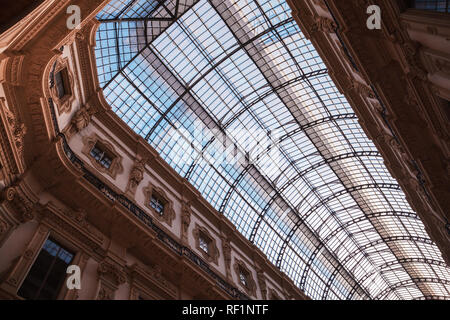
(12, 138)
(147, 277)
(80, 120)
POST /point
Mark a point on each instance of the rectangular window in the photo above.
(157, 204)
(101, 156)
(203, 243)
(62, 83)
(48, 273)
(432, 5)
(243, 278)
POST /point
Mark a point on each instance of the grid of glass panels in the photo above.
(433, 5)
(238, 101)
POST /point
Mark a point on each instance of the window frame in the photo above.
(241, 268)
(62, 102)
(115, 167)
(34, 249)
(212, 255)
(168, 214)
(103, 154)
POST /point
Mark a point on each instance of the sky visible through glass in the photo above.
(236, 99)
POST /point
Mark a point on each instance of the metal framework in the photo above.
(237, 101)
(433, 5)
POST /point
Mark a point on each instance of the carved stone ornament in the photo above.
(226, 249)
(79, 216)
(323, 24)
(168, 214)
(403, 159)
(415, 65)
(362, 89)
(64, 103)
(80, 120)
(18, 202)
(116, 164)
(213, 253)
(105, 293)
(18, 130)
(262, 283)
(111, 273)
(136, 176)
(186, 213)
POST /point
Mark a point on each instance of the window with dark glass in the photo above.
(102, 157)
(432, 5)
(157, 203)
(62, 83)
(48, 273)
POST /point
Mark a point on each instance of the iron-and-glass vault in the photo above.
(238, 101)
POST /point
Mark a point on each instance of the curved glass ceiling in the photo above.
(237, 100)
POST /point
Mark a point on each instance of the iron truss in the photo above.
(325, 210)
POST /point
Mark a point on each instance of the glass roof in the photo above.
(238, 101)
